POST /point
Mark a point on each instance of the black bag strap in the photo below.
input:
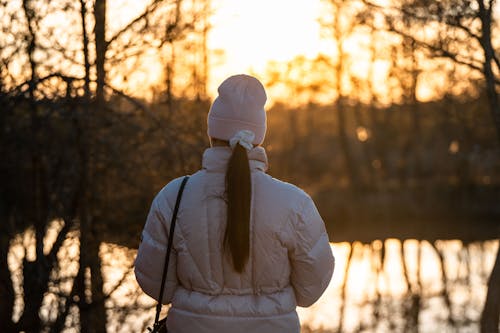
(169, 248)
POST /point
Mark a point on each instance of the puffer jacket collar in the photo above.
(215, 159)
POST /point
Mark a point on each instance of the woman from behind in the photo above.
(247, 248)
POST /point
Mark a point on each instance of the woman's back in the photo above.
(289, 261)
(247, 248)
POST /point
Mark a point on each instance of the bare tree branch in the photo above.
(68, 301)
(121, 281)
(491, 3)
(496, 58)
(149, 9)
(61, 236)
(465, 29)
(436, 50)
(453, 23)
(32, 84)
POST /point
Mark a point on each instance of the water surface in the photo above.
(382, 286)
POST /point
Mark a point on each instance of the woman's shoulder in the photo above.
(285, 190)
(168, 193)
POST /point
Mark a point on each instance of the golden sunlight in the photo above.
(252, 33)
(246, 36)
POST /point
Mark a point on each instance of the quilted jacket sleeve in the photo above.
(150, 258)
(310, 254)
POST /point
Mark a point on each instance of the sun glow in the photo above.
(246, 37)
(249, 34)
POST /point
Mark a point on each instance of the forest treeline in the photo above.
(404, 171)
(447, 169)
(79, 148)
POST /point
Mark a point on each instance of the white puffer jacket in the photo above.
(290, 260)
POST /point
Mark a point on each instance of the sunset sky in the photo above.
(246, 35)
(252, 33)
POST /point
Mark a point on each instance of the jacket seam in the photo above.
(231, 316)
(290, 219)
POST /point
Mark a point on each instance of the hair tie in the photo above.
(244, 138)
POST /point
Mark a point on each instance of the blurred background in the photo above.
(385, 111)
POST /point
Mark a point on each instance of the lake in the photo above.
(382, 286)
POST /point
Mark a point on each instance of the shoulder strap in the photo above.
(169, 247)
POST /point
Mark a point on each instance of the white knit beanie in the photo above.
(239, 106)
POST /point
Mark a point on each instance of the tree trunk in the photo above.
(377, 137)
(169, 74)
(100, 49)
(204, 47)
(97, 309)
(85, 41)
(6, 287)
(491, 311)
(485, 16)
(351, 168)
(35, 273)
(92, 311)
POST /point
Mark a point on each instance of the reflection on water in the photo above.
(438, 286)
(377, 287)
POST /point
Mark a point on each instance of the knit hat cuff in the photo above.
(225, 129)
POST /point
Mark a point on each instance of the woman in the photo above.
(248, 248)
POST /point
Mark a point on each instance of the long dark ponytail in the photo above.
(238, 190)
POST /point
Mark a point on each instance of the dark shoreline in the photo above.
(430, 229)
(420, 213)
